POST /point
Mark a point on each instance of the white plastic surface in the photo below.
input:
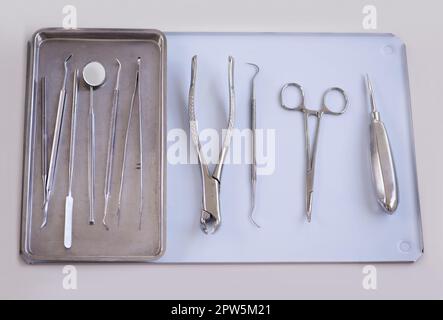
(348, 225)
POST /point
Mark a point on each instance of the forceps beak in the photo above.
(210, 218)
(209, 222)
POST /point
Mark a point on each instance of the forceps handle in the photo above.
(227, 141)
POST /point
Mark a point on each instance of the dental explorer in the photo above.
(44, 136)
(111, 143)
(55, 143)
(125, 151)
(254, 146)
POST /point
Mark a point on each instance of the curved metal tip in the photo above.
(44, 224)
(139, 60)
(45, 214)
(65, 64)
(251, 218)
(257, 68)
(68, 58)
(117, 83)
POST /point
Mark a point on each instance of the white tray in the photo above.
(348, 225)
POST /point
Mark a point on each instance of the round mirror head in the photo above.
(94, 74)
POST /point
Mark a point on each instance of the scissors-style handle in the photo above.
(328, 110)
(299, 88)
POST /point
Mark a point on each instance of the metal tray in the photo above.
(47, 50)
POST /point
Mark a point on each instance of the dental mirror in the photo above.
(94, 75)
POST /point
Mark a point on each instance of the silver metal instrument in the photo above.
(311, 153)
(44, 136)
(69, 204)
(94, 75)
(383, 168)
(125, 151)
(140, 128)
(210, 219)
(55, 144)
(111, 143)
(254, 146)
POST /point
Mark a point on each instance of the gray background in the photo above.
(419, 24)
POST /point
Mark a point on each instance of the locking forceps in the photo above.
(311, 153)
(210, 218)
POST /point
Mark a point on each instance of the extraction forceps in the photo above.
(254, 146)
(111, 144)
(383, 168)
(210, 219)
(55, 144)
(125, 151)
(69, 204)
(311, 153)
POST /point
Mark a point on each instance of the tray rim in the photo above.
(29, 123)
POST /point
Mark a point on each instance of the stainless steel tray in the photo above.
(47, 50)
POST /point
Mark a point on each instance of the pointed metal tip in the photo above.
(257, 68)
(68, 58)
(368, 82)
(251, 215)
(45, 214)
(118, 215)
(254, 222)
(44, 224)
